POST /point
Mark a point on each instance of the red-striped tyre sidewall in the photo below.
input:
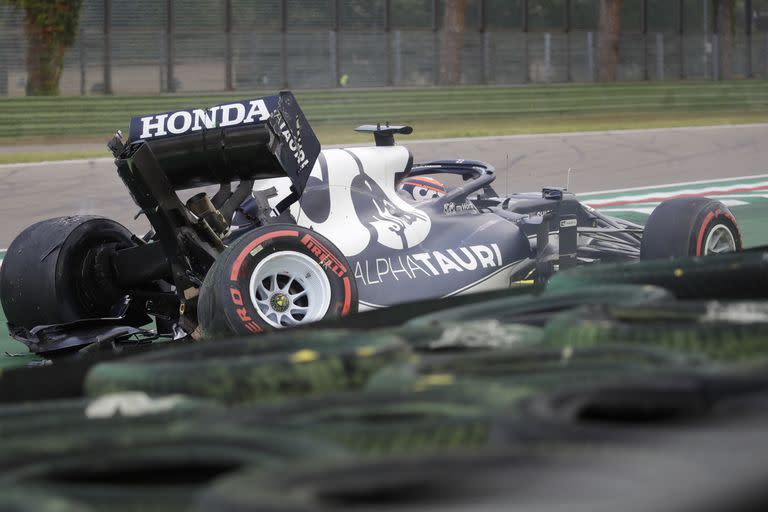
(225, 305)
(709, 221)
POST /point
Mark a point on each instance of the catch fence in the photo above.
(159, 46)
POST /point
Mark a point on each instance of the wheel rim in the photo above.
(289, 288)
(720, 240)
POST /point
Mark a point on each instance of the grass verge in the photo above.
(439, 111)
(474, 126)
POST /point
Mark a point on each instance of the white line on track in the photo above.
(47, 163)
(649, 207)
(655, 195)
(679, 184)
(588, 133)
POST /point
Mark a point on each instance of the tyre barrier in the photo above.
(378, 424)
(543, 360)
(471, 335)
(487, 481)
(660, 400)
(402, 313)
(636, 409)
(144, 463)
(44, 417)
(553, 477)
(270, 367)
(64, 377)
(500, 378)
(715, 336)
(734, 276)
(33, 499)
(524, 309)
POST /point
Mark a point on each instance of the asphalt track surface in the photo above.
(599, 161)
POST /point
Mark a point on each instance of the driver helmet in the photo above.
(421, 188)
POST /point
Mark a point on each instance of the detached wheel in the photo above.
(686, 227)
(48, 276)
(275, 277)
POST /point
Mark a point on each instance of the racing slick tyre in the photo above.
(274, 277)
(690, 227)
(47, 275)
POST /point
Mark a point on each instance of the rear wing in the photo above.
(260, 138)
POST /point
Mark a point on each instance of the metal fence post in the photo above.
(644, 29)
(334, 46)
(568, 74)
(659, 56)
(107, 47)
(485, 66)
(765, 54)
(334, 76)
(3, 80)
(163, 74)
(229, 73)
(488, 68)
(526, 65)
(748, 26)
(547, 56)
(83, 60)
(253, 59)
(592, 68)
(681, 37)
(388, 38)
(284, 42)
(169, 45)
(707, 43)
(435, 45)
(398, 64)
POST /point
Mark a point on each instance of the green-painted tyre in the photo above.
(377, 424)
(521, 309)
(269, 367)
(35, 499)
(733, 276)
(144, 463)
(686, 329)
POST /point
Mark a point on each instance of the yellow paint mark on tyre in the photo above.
(304, 356)
(435, 379)
(366, 351)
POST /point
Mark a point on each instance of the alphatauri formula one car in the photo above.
(306, 234)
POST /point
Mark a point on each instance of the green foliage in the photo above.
(58, 19)
(51, 28)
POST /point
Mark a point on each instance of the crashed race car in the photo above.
(307, 234)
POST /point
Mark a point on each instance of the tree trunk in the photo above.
(725, 28)
(45, 60)
(608, 40)
(453, 42)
